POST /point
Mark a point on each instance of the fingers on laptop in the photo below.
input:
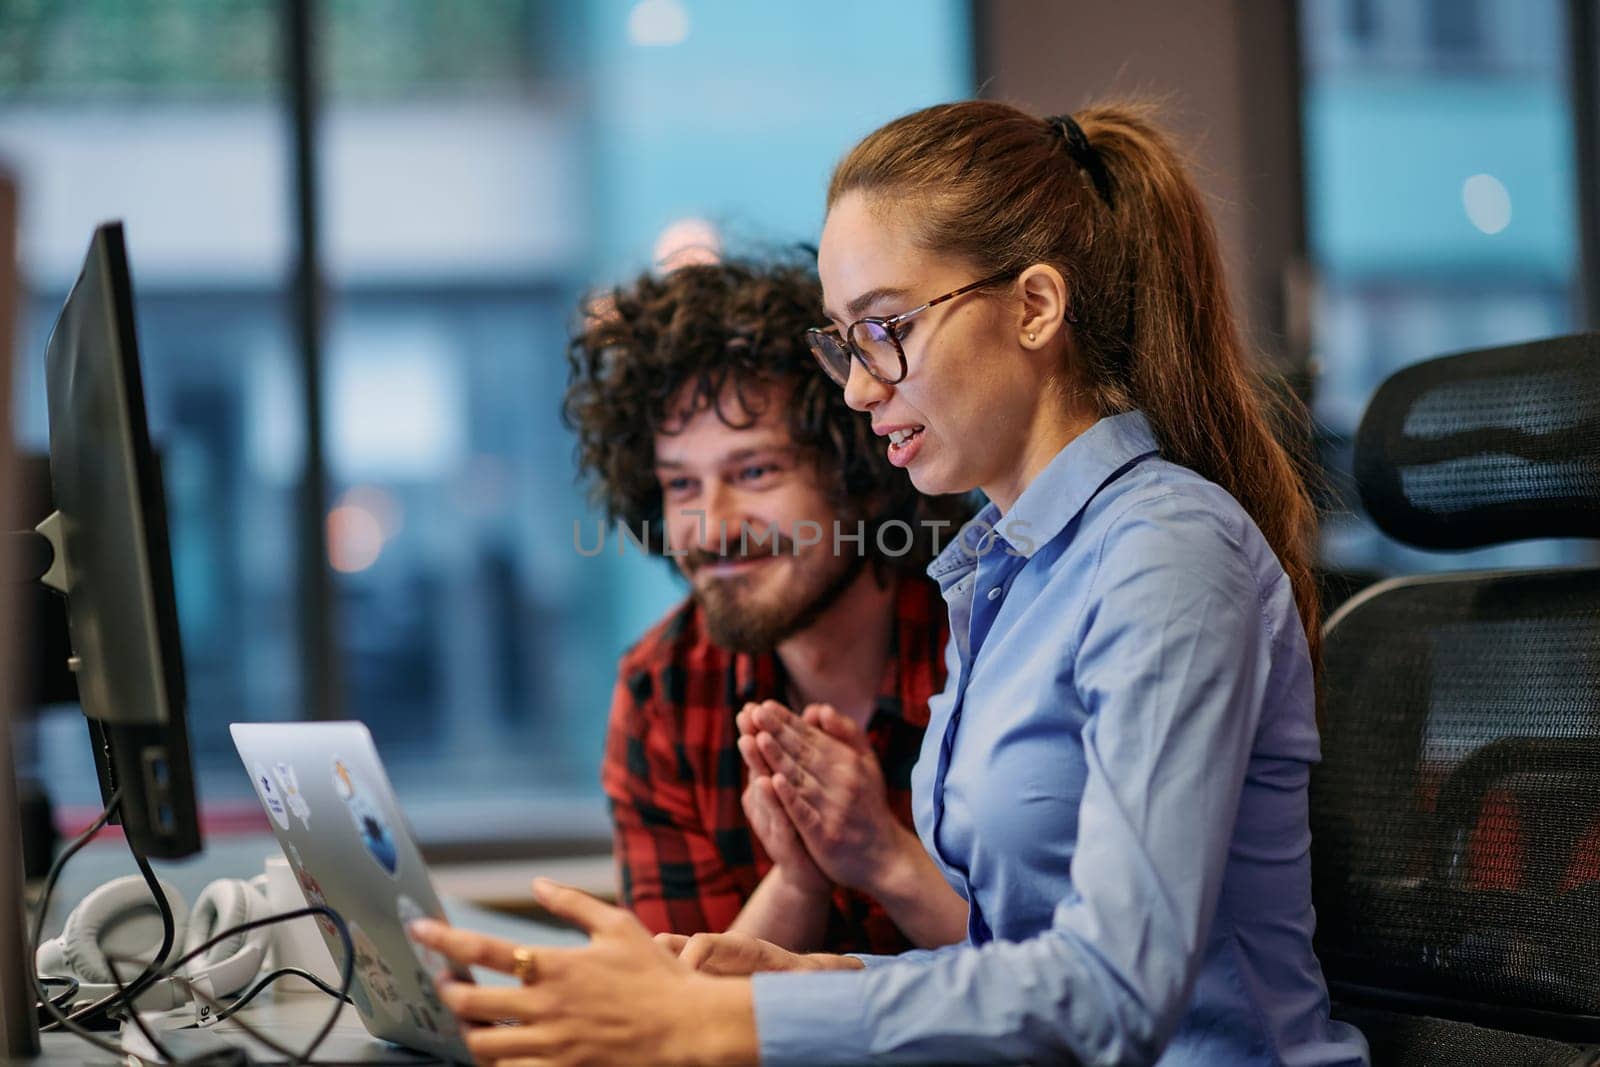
(493, 1004)
(464, 946)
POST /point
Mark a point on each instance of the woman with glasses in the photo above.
(1115, 776)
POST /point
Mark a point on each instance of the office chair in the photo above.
(1456, 814)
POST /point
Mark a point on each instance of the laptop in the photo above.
(334, 813)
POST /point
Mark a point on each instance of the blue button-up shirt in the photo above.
(1115, 780)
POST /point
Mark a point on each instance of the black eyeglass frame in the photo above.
(820, 336)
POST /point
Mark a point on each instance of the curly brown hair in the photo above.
(742, 324)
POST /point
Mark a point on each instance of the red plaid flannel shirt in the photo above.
(686, 858)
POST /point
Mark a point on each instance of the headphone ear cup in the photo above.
(50, 962)
(230, 965)
(120, 917)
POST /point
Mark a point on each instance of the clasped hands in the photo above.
(816, 799)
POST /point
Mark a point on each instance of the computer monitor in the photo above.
(111, 558)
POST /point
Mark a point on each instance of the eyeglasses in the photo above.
(876, 341)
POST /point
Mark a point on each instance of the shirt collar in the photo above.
(1058, 493)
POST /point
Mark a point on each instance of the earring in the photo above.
(1033, 337)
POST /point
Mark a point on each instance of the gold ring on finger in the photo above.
(525, 964)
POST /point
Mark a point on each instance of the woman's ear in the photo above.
(1044, 305)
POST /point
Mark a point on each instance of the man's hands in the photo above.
(818, 803)
(816, 783)
(777, 835)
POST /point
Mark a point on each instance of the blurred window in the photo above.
(167, 115)
(481, 165)
(1441, 207)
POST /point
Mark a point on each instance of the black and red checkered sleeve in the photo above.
(669, 871)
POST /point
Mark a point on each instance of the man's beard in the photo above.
(740, 623)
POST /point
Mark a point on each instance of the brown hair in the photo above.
(740, 324)
(1004, 189)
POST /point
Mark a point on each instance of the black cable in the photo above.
(129, 995)
(171, 973)
(267, 979)
(67, 853)
(347, 971)
(116, 979)
(62, 1019)
(155, 971)
(196, 993)
(216, 1004)
(64, 999)
(346, 974)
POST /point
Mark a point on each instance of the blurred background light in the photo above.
(684, 242)
(355, 538)
(1487, 202)
(658, 23)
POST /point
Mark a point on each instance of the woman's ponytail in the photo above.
(1105, 197)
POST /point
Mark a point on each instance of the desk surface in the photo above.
(292, 1018)
(500, 884)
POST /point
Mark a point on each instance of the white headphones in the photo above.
(121, 919)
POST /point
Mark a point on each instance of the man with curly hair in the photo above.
(714, 440)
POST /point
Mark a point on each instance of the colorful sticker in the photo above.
(290, 787)
(370, 823)
(271, 796)
(422, 1019)
(358, 993)
(432, 962)
(375, 973)
(312, 890)
(429, 993)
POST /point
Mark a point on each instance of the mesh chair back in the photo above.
(1456, 813)
(1486, 447)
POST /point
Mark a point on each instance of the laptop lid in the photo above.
(335, 815)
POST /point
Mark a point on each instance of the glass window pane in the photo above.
(1441, 209)
(467, 207)
(165, 114)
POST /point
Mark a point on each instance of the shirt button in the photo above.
(994, 594)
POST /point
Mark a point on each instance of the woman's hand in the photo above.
(739, 954)
(621, 999)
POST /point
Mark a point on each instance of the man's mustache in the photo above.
(695, 558)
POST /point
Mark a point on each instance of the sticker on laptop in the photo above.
(271, 796)
(376, 836)
(445, 1023)
(375, 974)
(430, 994)
(432, 962)
(289, 786)
(358, 993)
(422, 1019)
(311, 888)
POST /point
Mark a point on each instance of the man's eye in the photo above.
(676, 485)
(756, 472)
